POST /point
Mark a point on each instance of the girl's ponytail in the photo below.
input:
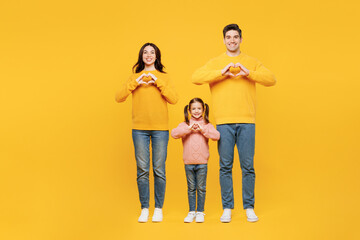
(186, 114)
(206, 115)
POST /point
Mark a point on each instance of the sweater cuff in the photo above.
(133, 84)
(251, 75)
(160, 83)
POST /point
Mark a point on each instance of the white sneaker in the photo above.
(158, 216)
(251, 216)
(144, 215)
(226, 217)
(190, 217)
(199, 217)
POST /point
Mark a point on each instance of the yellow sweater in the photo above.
(149, 102)
(233, 98)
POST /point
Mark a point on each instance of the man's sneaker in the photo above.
(226, 217)
(199, 217)
(144, 215)
(158, 216)
(190, 217)
(251, 216)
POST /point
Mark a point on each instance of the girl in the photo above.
(195, 134)
(151, 92)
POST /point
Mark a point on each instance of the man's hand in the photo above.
(226, 70)
(243, 70)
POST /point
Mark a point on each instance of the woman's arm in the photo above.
(130, 85)
(166, 89)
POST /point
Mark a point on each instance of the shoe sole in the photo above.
(252, 220)
(225, 220)
(157, 221)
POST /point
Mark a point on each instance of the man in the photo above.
(232, 77)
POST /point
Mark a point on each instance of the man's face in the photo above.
(232, 40)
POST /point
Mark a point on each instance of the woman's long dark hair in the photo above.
(140, 65)
(205, 109)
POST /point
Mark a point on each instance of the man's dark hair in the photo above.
(231, 27)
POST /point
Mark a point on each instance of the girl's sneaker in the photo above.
(190, 217)
(199, 217)
(144, 215)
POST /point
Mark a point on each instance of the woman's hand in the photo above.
(153, 77)
(139, 80)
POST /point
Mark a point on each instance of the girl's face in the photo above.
(149, 55)
(196, 110)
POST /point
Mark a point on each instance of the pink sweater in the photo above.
(196, 147)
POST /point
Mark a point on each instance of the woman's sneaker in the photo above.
(144, 216)
(199, 217)
(251, 216)
(190, 217)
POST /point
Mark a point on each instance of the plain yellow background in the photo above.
(67, 163)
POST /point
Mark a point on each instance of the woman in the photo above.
(151, 92)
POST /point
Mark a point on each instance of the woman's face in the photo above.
(149, 55)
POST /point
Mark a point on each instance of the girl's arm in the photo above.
(130, 85)
(209, 131)
(181, 131)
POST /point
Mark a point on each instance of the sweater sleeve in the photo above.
(207, 74)
(130, 85)
(210, 132)
(180, 131)
(262, 75)
(167, 90)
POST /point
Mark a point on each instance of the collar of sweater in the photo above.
(200, 119)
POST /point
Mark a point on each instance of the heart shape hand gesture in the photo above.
(235, 70)
(195, 127)
(146, 78)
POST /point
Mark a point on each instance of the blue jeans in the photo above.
(196, 181)
(159, 142)
(243, 135)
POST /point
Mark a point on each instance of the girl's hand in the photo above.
(191, 126)
(201, 129)
(195, 127)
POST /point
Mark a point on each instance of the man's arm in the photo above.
(209, 74)
(262, 75)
